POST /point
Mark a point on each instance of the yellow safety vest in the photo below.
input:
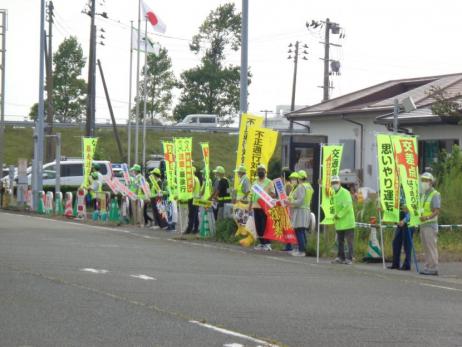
(308, 195)
(425, 205)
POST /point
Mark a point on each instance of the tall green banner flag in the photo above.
(206, 155)
(388, 179)
(331, 160)
(184, 171)
(88, 151)
(169, 157)
(406, 156)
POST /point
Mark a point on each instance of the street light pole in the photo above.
(244, 58)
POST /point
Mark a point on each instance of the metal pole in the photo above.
(244, 58)
(58, 163)
(93, 87)
(145, 93)
(129, 127)
(326, 62)
(137, 106)
(319, 205)
(90, 115)
(294, 84)
(49, 78)
(39, 126)
(2, 89)
(380, 221)
(395, 116)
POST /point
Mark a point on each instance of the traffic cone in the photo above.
(49, 203)
(374, 253)
(59, 210)
(204, 230)
(81, 207)
(114, 215)
(41, 203)
(68, 212)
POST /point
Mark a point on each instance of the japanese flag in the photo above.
(155, 21)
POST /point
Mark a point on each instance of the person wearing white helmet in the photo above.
(430, 204)
(344, 221)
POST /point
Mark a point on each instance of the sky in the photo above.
(384, 40)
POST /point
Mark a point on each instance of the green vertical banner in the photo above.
(184, 173)
(388, 179)
(407, 160)
(88, 151)
(331, 160)
(169, 157)
(206, 156)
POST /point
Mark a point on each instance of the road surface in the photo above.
(68, 284)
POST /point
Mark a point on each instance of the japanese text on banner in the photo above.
(331, 160)
(261, 143)
(206, 156)
(388, 179)
(88, 151)
(184, 173)
(407, 160)
(169, 157)
(247, 123)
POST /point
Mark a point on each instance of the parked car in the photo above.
(199, 120)
(71, 172)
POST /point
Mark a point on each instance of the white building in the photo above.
(354, 120)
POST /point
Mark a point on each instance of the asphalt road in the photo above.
(67, 284)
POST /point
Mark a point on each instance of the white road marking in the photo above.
(144, 277)
(233, 345)
(441, 287)
(95, 271)
(233, 333)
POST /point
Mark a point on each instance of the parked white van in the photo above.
(71, 172)
(199, 120)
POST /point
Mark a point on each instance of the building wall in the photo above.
(439, 132)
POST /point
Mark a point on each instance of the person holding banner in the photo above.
(345, 222)
(193, 210)
(430, 204)
(259, 214)
(299, 213)
(156, 195)
(243, 190)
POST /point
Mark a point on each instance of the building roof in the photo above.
(416, 117)
(380, 98)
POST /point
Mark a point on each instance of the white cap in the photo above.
(335, 179)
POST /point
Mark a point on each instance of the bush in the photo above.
(225, 230)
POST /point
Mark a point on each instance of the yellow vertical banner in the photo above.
(206, 178)
(88, 151)
(169, 157)
(331, 160)
(247, 123)
(260, 146)
(388, 179)
(184, 172)
(406, 154)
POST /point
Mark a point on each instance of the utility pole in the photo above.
(244, 59)
(266, 116)
(326, 61)
(137, 99)
(49, 73)
(3, 14)
(89, 130)
(295, 57)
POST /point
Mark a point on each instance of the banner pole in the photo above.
(380, 216)
(319, 204)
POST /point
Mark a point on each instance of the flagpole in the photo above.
(129, 127)
(319, 204)
(137, 111)
(380, 220)
(144, 90)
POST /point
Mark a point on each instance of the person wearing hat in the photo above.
(221, 192)
(157, 194)
(243, 189)
(259, 214)
(136, 187)
(344, 221)
(299, 213)
(193, 210)
(430, 204)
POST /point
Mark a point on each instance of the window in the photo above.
(70, 170)
(207, 120)
(193, 120)
(430, 149)
(348, 157)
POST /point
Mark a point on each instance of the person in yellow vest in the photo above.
(243, 189)
(206, 190)
(309, 191)
(259, 214)
(221, 192)
(193, 210)
(95, 184)
(155, 180)
(136, 188)
(430, 204)
(299, 214)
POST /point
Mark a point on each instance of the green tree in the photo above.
(213, 87)
(69, 90)
(160, 82)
